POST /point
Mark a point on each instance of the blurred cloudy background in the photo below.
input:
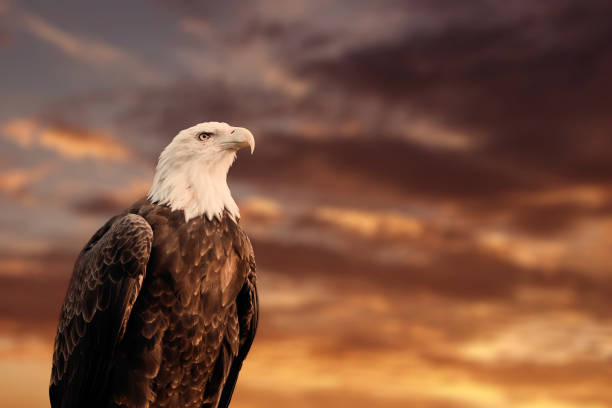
(430, 200)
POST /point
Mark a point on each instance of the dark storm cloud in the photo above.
(526, 82)
(481, 181)
(376, 160)
(401, 171)
(534, 86)
(396, 166)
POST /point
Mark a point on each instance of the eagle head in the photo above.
(191, 173)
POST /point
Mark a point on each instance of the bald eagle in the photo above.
(161, 309)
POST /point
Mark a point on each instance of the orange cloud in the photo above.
(524, 251)
(70, 142)
(370, 224)
(590, 196)
(558, 338)
(260, 207)
(16, 182)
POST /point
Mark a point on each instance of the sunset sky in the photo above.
(430, 200)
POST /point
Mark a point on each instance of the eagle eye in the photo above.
(202, 136)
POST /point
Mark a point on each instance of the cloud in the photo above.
(17, 182)
(479, 75)
(371, 224)
(428, 249)
(386, 167)
(96, 53)
(551, 211)
(69, 141)
(569, 337)
(390, 232)
(341, 159)
(107, 203)
(522, 250)
(431, 133)
(260, 214)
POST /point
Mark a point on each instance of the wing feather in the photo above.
(105, 283)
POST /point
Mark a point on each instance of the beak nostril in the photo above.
(232, 132)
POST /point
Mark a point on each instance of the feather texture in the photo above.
(160, 312)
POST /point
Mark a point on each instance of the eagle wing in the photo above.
(247, 307)
(107, 277)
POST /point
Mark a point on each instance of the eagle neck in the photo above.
(196, 187)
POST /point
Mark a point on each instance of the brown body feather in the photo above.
(159, 313)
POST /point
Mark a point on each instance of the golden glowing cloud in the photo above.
(260, 207)
(524, 251)
(389, 376)
(369, 224)
(70, 142)
(590, 196)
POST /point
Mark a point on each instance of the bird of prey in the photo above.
(161, 309)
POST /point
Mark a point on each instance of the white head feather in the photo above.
(191, 173)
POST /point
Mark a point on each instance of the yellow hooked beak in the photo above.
(238, 138)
